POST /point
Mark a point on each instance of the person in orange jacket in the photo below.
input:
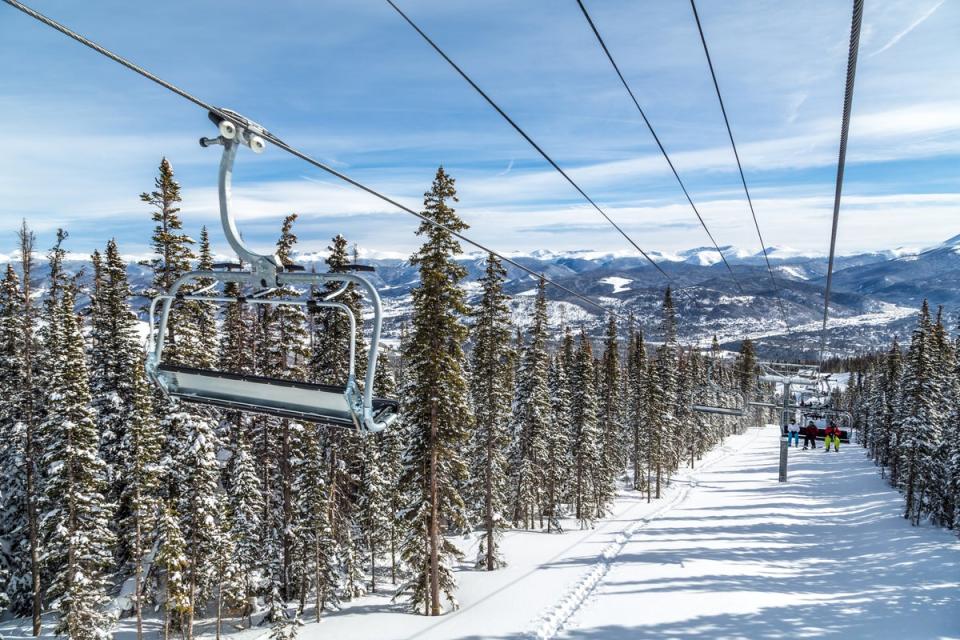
(832, 433)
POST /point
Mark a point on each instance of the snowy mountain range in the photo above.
(875, 294)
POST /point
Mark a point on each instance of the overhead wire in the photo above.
(656, 139)
(528, 138)
(736, 155)
(855, 23)
(220, 113)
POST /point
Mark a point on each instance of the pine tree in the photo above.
(285, 354)
(920, 407)
(587, 439)
(314, 534)
(531, 416)
(557, 461)
(636, 370)
(245, 526)
(173, 248)
(172, 560)
(75, 525)
(30, 416)
(14, 541)
(194, 484)
(613, 452)
(490, 374)
(140, 501)
(746, 366)
(115, 356)
(331, 328)
(435, 406)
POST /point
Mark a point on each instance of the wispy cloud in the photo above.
(913, 25)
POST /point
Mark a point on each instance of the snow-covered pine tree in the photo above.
(636, 368)
(557, 461)
(237, 355)
(435, 406)
(682, 437)
(587, 439)
(392, 443)
(665, 405)
(77, 539)
(24, 584)
(245, 498)
(200, 318)
(173, 561)
(285, 354)
(613, 455)
(745, 366)
(14, 525)
(331, 328)
(194, 475)
(491, 397)
(951, 435)
(314, 535)
(889, 436)
(921, 404)
(140, 503)
(330, 357)
(14, 540)
(173, 248)
(655, 410)
(115, 356)
(939, 499)
(373, 517)
(531, 417)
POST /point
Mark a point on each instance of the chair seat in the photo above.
(270, 396)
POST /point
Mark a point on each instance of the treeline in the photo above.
(907, 408)
(113, 494)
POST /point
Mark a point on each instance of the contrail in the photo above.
(916, 23)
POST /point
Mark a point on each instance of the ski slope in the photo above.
(728, 553)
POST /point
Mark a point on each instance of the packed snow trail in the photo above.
(826, 554)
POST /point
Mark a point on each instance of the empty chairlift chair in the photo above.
(712, 387)
(346, 405)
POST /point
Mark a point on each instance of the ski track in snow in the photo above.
(553, 621)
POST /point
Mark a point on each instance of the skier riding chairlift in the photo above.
(343, 405)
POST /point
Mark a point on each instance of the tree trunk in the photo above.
(373, 568)
(317, 576)
(393, 553)
(434, 517)
(287, 508)
(138, 575)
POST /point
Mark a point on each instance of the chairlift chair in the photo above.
(345, 405)
(711, 386)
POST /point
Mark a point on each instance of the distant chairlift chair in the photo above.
(711, 386)
(337, 405)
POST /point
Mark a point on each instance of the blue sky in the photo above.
(350, 83)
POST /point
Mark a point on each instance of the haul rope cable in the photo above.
(291, 150)
(656, 139)
(841, 161)
(736, 155)
(530, 140)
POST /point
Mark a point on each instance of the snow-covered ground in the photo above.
(618, 284)
(729, 552)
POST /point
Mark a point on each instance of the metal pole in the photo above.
(784, 443)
